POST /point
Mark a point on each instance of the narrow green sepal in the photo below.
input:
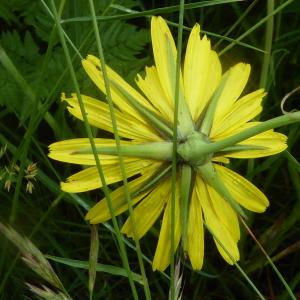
(158, 123)
(208, 118)
(242, 148)
(185, 122)
(185, 187)
(217, 146)
(162, 172)
(211, 177)
(155, 150)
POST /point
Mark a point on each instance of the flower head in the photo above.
(211, 109)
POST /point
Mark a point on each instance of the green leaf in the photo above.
(99, 267)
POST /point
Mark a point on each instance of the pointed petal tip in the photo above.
(63, 187)
(92, 58)
(154, 20)
(90, 61)
(91, 217)
(159, 23)
(94, 221)
(127, 231)
(196, 29)
(87, 217)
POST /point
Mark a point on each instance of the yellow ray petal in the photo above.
(161, 258)
(237, 78)
(165, 54)
(222, 236)
(242, 111)
(98, 115)
(147, 212)
(117, 87)
(195, 233)
(225, 213)
(202, 72)
(153, 90)
(100, 213)
(242, 190)
(89, 179)
(66, 151)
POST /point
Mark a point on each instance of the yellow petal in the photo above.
(202, 72)
(117, 87)
(89, 179)
(243, 110)
(98, 115)
(66, 151)
(165, 54)
(163, 250)
(237, 78)
(225, 213)
(222, 236)
(195, 232)
(147, 212)
(245, 193)
(152, 89)
(100, 212)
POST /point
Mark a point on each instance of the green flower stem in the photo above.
(185, 185)
(121, 160)
(201, 149)
(268, 45)
(123, 253)
(258, 24)
(155, 150)
(210, 175)
(174, 151)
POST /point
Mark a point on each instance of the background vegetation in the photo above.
(33, 73)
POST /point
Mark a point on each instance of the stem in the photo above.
(93, 146)
(121, 160)
(174, 153)
(268, 45)
(185, 185)
(258, 24)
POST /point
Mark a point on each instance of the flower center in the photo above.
(190, 147)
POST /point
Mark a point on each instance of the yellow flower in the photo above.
(147, 146)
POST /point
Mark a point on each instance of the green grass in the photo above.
(36, 53)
